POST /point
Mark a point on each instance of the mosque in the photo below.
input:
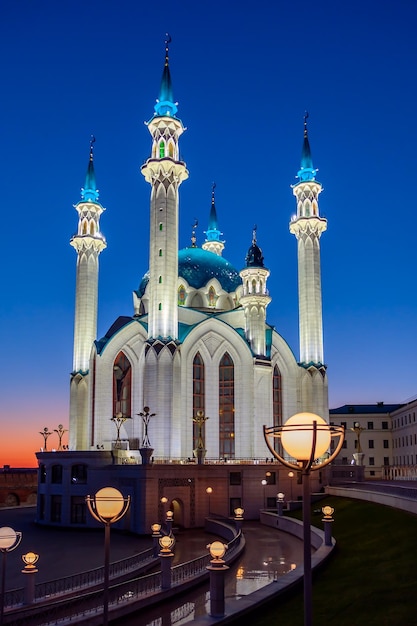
(190, 378)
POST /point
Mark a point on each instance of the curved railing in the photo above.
(124, 597)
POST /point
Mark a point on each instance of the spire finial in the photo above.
(213, 187)
(255, 228)
(167, 42)
(305, 123)
(193, 237)
(92, 141)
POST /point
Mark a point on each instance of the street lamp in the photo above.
(209, 491)
(30, 559)
(217, 569)
(304, 443)
(264, 483)
(291, 476)
(9, 540)
(107, 506)
(119, 419)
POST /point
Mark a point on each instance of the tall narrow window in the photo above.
(277, 397)
(122, 385)
(226, 407)
(160, 251)
(181, 295)
(161, 227)
(198, 395)
(160, 280)
(161, 150)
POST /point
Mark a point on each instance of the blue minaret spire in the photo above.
(89, 193)
(213, 243)
(307, 171)
(165, 104)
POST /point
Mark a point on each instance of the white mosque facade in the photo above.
(196, 370)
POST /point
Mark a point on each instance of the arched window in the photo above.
(226, 407)
(161, 150)
(160, 306)
(181, 295)
(277, 397)
(212, 296)
(161, 226)
(122, 385)
(84, 228)
(171, 149)
(160, 251)
(198, 394)
(92, 228)
(160, 279)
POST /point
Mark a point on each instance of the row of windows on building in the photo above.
(404, 420)
(406, 440)
(77, 474)
(369, 426)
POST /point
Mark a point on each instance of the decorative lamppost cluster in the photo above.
(60, 431)
(303, 444)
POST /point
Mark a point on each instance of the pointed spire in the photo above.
(254, 257)
(165, 104)
(307, 171)
(212, 232)
(89, 193)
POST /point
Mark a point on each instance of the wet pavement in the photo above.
(268, 554)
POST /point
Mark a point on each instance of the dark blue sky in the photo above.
(243, 76)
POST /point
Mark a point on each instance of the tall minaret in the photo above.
(213, 243)
(255, 297)
(88, 243)
(308, 226)
(165, 172)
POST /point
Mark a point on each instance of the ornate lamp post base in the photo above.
(146, 454)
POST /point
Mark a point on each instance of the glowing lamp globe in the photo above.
(109, 502)
(297, 436)
(8, 537)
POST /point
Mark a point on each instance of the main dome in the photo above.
(198, 266)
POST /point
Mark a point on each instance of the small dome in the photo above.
(254, 257)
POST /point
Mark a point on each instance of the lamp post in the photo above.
(209, 491)
(45, 434)
(60, 431)
(217, 569)
(263, 483)
(146, 450)
(107, 506)
(291, 476)
(30, 559)
(156, 534)
(304, 443)
(9, 540)
(166, 542)
(280, 503)
(119, 419)
(327, 522)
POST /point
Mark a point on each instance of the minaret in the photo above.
(213, 243)
(255, 297)
(165, 172)
(308, 226)
(88, 243)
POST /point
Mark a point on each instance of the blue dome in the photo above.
(198, 266)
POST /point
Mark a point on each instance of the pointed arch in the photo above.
(198, 395)
(226, 407)
(277, 397)
(122, 385)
